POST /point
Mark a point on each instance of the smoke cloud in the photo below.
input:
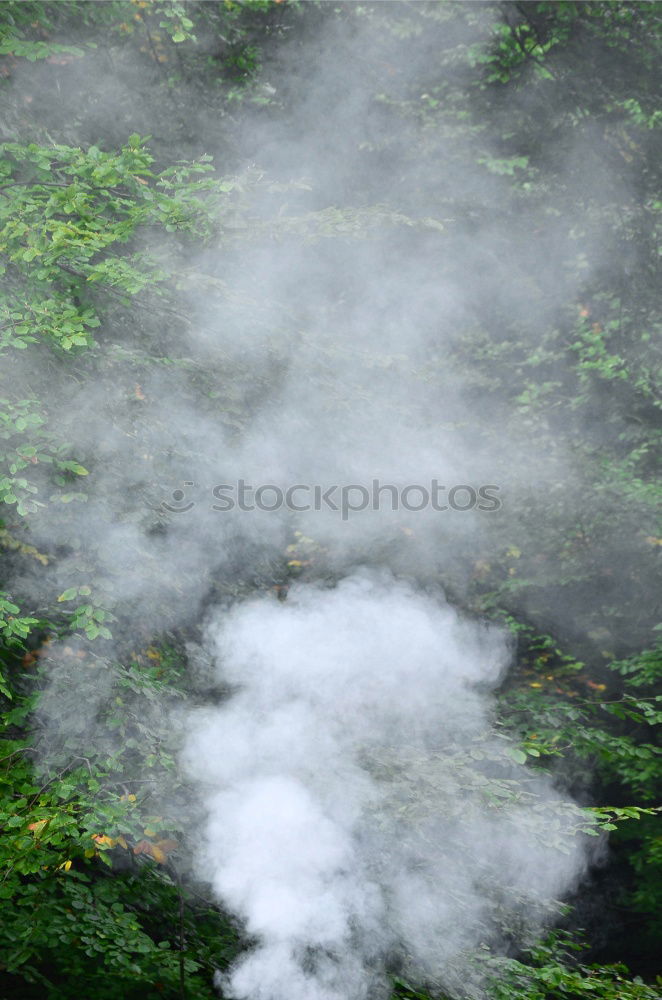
(345, 825)
(362, 810)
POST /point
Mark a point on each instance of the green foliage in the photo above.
(65, 214)
(95, 902)
(66, 217)
(28, 443)
(14, 629)
(607, 730)
(18, 18)
(70, 933)
(585, 722)
(552, 970)
(71, 926)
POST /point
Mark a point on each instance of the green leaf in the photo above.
(68, 595)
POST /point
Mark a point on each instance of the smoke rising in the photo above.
(344, 823)
(323, 343)
(324, 336)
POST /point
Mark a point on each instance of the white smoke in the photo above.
(351, 785)
(362, 811)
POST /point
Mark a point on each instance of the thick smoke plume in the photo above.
(345, 826)
(362, 810)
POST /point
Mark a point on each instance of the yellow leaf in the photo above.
(103, 839)
(167, 845)
(158, 855)
(159, 851)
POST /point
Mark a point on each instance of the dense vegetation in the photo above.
(103, 203)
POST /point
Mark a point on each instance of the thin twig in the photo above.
(14, 752)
